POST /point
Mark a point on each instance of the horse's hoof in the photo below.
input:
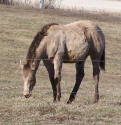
(54, 101)
(69, 102)
(96, 101)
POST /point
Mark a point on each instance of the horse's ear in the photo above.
(21, 64)
(33, 66)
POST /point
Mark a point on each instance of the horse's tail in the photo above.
(98, 42)
(102, 60)
(102, 40)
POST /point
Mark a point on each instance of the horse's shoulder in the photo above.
(56, 31)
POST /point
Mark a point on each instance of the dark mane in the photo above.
(36, 41)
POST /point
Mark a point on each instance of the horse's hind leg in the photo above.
(79, 77)
(50, 68)
(96, 73)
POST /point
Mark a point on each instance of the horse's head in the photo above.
(28, 73)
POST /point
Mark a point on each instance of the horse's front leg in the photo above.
(50, 68)
(57, 75)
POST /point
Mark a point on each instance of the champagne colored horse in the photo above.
(56, 44)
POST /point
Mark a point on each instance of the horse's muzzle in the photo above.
(27, 95)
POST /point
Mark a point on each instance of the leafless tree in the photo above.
(6, 2)
(49, 3)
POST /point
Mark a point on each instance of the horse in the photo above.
(56, 44)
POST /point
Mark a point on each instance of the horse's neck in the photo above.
(39, 56)
(40, 51)
(34, 62)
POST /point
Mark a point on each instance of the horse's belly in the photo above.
(77, 51)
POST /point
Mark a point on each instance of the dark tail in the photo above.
(102, 62)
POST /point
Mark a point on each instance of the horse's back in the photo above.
(72, 39)
(75, 39)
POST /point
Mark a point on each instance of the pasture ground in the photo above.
(17, 29)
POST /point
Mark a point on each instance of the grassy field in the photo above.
(17, 29)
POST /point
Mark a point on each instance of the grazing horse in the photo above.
(56, 44)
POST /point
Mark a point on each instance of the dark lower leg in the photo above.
(54, 89)
(79, 77)
(75, 89)
(50, 68)
(96, 72)
(96, 96)
(58, 88)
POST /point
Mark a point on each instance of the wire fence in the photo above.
(46, 90)
(109, 62)
(16, 61)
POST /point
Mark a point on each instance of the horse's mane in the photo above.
(36, 41)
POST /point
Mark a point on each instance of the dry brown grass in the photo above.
(17, 29)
